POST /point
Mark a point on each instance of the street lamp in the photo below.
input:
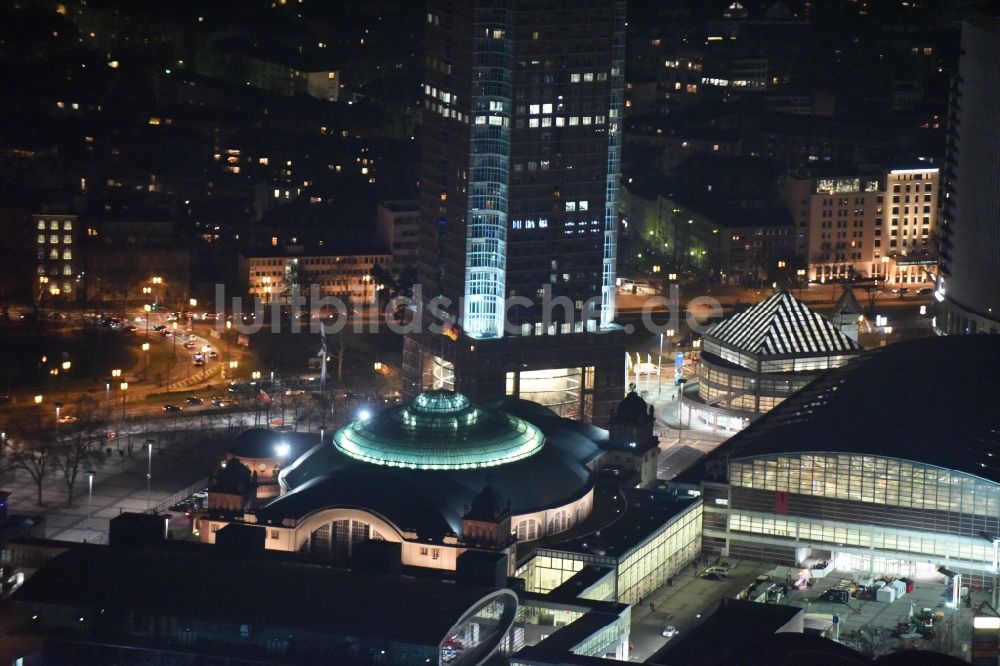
(255, 375)
(193, 303)
(90, 499)
(659, 367)
(58, 406)
(38, 399)
(124, 387)
(149, 475)
(148, 308)
(801, 273)
(232, 366)
(145, 354)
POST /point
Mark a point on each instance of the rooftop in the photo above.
(951, 421)
(645, 512)
(439, 430)
(205, 583)
(782, 325)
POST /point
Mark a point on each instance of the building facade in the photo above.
(969, 289)
(521, 161)
(274, 277)
(56, 260)
(398, 225)
(881, 226)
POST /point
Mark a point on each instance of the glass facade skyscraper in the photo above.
(522, 138)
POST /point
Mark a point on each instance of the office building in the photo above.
(398, 228)
(519, 199)
(275, 274)
(969, 288)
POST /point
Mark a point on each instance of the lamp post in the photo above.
(233, 365)
(149, 475)
(173, 326)
(59, 407)
(145, 354)
(193, 303)
(147, 308)
(801, 273)
(157, 281)
(90, 499)
(225, 358)
(124, 387)
(659, 371)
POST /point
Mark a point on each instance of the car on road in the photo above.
(67, 418)
(171, 408)
(189, 345)
(194, 400)
(669, 631)
(219, 401)
(159, 327)
(722, 571)
(708, 575)
(213, 354)
(925, 291)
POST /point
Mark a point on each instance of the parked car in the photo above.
(193, 400)
(712, 576)
(171, 408)
(669, 631)
(213, 354)
(925, 291)
(722, 571)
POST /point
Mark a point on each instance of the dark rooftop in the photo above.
(645, 512)
(204, 583)
(724, 635)
(949, 420)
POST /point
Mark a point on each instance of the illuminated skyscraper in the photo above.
(522, 136)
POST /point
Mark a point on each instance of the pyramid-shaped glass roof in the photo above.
(781, 325)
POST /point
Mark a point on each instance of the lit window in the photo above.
(574, 120)
(546, 122)
(534, 109)
(584, 205)
(546, 108)
(574, 78)
(67, 239)
(41, 238)
(560, 121)
(588, 76)
(41, 224)
(570, 206)
(533, 122)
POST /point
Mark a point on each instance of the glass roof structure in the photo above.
(439, 430)
(782, 325)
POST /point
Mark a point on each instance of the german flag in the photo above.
(451, 331)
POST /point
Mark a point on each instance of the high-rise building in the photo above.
(519, 200)
(969, 286)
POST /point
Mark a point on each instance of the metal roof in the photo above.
(781, 325)
(931, 401)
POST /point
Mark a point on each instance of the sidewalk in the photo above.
(179, 458)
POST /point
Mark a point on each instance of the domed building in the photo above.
(439, 475)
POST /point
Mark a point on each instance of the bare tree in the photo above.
(75, 450)
(31, 448)
(339, 345)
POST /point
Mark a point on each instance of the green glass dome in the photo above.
(439, 430)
